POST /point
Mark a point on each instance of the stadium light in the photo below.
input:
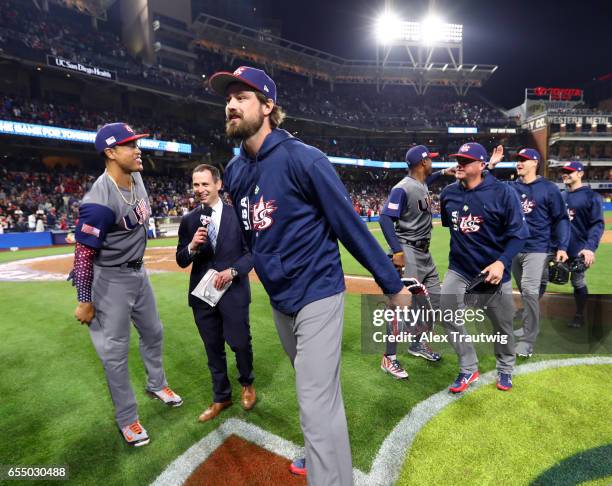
(388, 27)
(431, 31)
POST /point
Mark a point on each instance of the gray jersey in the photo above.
(414, 222)
(107, 222)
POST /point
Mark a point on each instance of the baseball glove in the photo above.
(478, 293)
(415, 287)
(558, 272)
(577, 265)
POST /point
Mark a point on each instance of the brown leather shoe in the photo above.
(213, 410)
(248, 397)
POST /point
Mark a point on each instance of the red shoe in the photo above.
(463, 381)
(298, 467)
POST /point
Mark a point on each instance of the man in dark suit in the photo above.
(210, 237)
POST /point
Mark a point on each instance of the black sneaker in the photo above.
(577, 322)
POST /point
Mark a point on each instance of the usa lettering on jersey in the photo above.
(245, 213)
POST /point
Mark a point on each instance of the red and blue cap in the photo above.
(572, 166)
(472, 151)
(529, 154)
(253, 77)
(417, 153)
(113, 134)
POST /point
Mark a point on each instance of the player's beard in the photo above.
(244, 129)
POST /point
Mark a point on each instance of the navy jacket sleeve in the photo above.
(443, 215)
(597, 224)
(335, 203)
(245, 263)
(183, 259)
(433, 177)
(388, 229)
(560, 220)
(94, 222)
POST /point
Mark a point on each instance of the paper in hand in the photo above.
(206, 291)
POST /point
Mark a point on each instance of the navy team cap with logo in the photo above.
(113, 134)
(471, 151)
(529, 154)
(572, 166)
(418, 153)
(253, 77)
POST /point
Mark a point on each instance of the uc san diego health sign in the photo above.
(77, 67)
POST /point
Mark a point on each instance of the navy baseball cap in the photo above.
(572, 166)
(529, 154)
(418, 153)
(472, 151)
(253, 77)
(113, 134)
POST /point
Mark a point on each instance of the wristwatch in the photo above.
(234, 272)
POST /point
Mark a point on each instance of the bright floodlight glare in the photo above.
(388, 27)
(432, 30)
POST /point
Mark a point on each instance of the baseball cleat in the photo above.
(577, 322)
(393, 367)
(504, 381)
(463, 381)
(167, 396)
(423, 350)
(135, 434)
(298, 467)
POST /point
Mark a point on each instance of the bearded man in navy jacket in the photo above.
(294, 209)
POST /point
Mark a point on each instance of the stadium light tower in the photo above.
(427, 44)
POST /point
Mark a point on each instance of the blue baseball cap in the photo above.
(472, 151)
(529, 154)
(418, 153)
(253, 77)
(113, 134)
(572, 166)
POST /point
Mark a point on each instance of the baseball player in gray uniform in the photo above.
(112, 285)
(406, 222)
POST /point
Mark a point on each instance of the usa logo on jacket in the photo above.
(470, 224)
(262, 214)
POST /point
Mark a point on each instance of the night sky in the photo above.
(535, 42)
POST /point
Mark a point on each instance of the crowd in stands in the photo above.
(41, 199)
(25, 30)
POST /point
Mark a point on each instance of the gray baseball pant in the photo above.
(121, 295)
(419, 265)
(312, 339)
(527, 269)
(500, 310)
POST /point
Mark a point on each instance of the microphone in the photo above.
(205, 215)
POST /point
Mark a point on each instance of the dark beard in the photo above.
(244, 129)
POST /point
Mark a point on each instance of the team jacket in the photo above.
(586, 215)
(294, 208)
(482, 222)
(545, 213)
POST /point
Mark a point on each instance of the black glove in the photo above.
(478, 293)
(558, 272)
(577, 264)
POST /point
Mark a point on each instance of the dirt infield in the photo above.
(163, 260)
(237, 461)
(607, 236)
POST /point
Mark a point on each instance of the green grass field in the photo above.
(56, 408)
